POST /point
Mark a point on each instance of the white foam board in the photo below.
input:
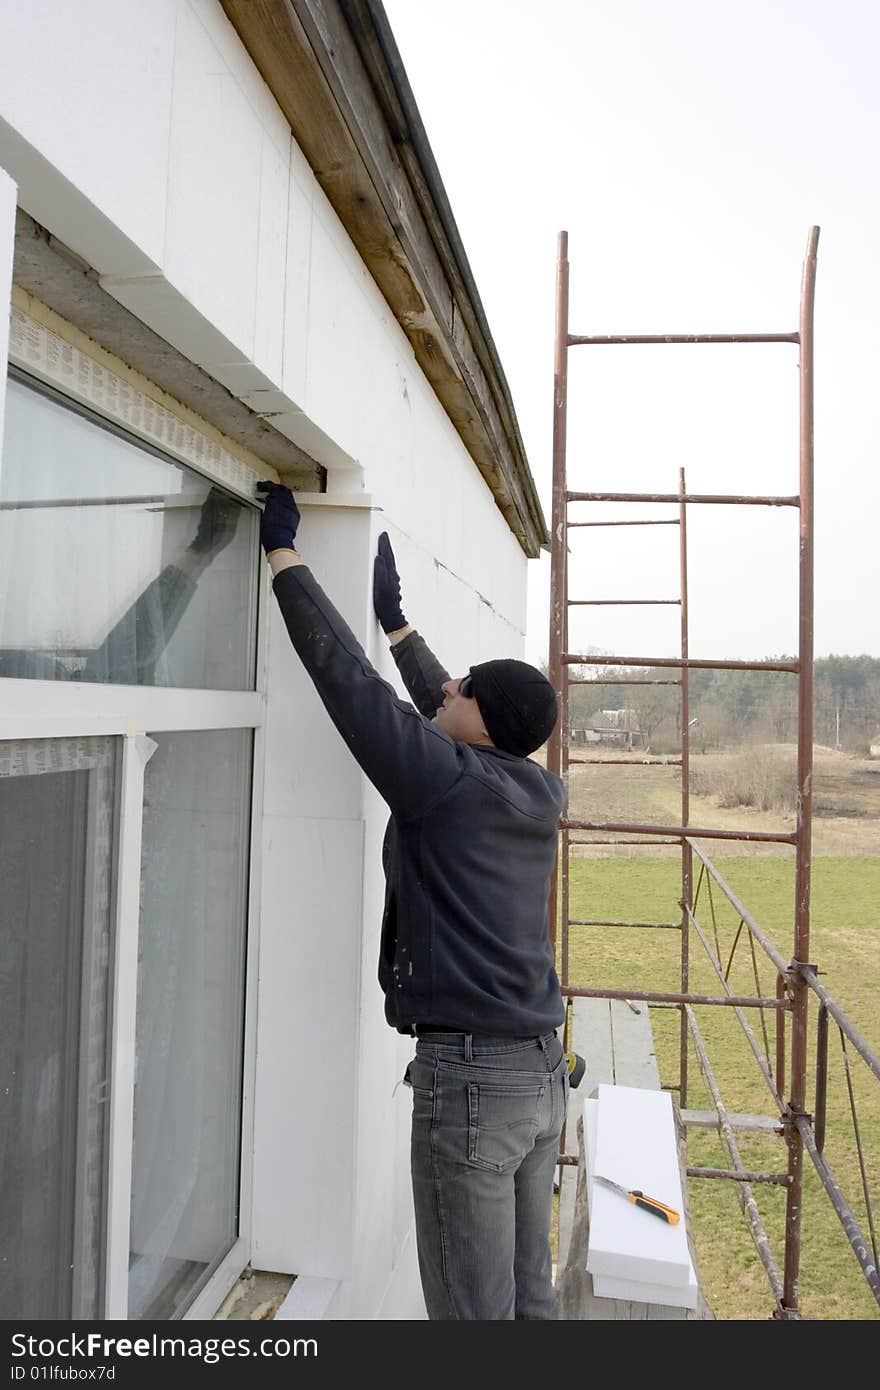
(634, 1291)
(604, 1286)
(633, 1141)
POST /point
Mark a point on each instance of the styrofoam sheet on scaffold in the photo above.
(634, 1291)
(635, 1144)
(604, 1286)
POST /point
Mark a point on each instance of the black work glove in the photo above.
(280, 517)
(386, 587)
(217, 523)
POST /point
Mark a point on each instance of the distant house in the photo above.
(603, 725)
(617, 727)
(582, 735)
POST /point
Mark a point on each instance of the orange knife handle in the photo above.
(651, 1204)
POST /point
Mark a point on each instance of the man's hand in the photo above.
(217, 522)
(386, 588)
(280, 517)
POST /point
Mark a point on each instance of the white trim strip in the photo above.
(252, 959)
(309, 1300)
(336, 499)
(63, 709)
(210, 1299)
(137, 752)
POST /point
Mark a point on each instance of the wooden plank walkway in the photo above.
(616, 1041)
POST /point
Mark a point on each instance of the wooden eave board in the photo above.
(306, 52)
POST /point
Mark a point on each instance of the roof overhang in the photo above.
(334, 69)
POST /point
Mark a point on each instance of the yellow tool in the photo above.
(638, 1198)
(576, 1068)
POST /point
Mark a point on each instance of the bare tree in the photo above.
(657, 708)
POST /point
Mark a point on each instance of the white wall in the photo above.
(309, 959)
(7, 248)
(144, 138)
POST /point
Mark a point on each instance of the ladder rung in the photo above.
(626, 680)
(618, 602)
(729, 1001)
(690, 832)
(610, 340)
(651, 844)
(631, 762)
(601, 922)
(708, 1119)
(710, 497)
(670, 521)
(703, 665)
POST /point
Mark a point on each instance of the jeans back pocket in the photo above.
(502, 1124)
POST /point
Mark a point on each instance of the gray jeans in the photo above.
(487, 1115)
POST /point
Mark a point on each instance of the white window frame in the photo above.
(27, 760)
(32, 709)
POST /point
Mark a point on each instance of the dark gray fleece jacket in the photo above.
(470, 846)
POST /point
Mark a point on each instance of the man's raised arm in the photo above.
(419, 668)
(409, 760)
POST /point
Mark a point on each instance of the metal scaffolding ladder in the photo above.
(791, 992)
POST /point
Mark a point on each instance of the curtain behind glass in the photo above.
(57, 819)
(147, 574)
(187, 1105)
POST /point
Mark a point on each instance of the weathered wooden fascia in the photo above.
(334, 70)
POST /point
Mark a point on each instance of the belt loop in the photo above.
(542, 1040)
(468, 1047)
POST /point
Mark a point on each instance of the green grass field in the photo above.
(845, 943)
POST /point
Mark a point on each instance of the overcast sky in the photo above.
(687, 146)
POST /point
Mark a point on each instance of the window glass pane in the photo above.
(57, 830)
(187, 1103)
(117, 565)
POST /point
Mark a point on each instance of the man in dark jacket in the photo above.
(465, 962)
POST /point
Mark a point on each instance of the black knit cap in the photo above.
(517, 703)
